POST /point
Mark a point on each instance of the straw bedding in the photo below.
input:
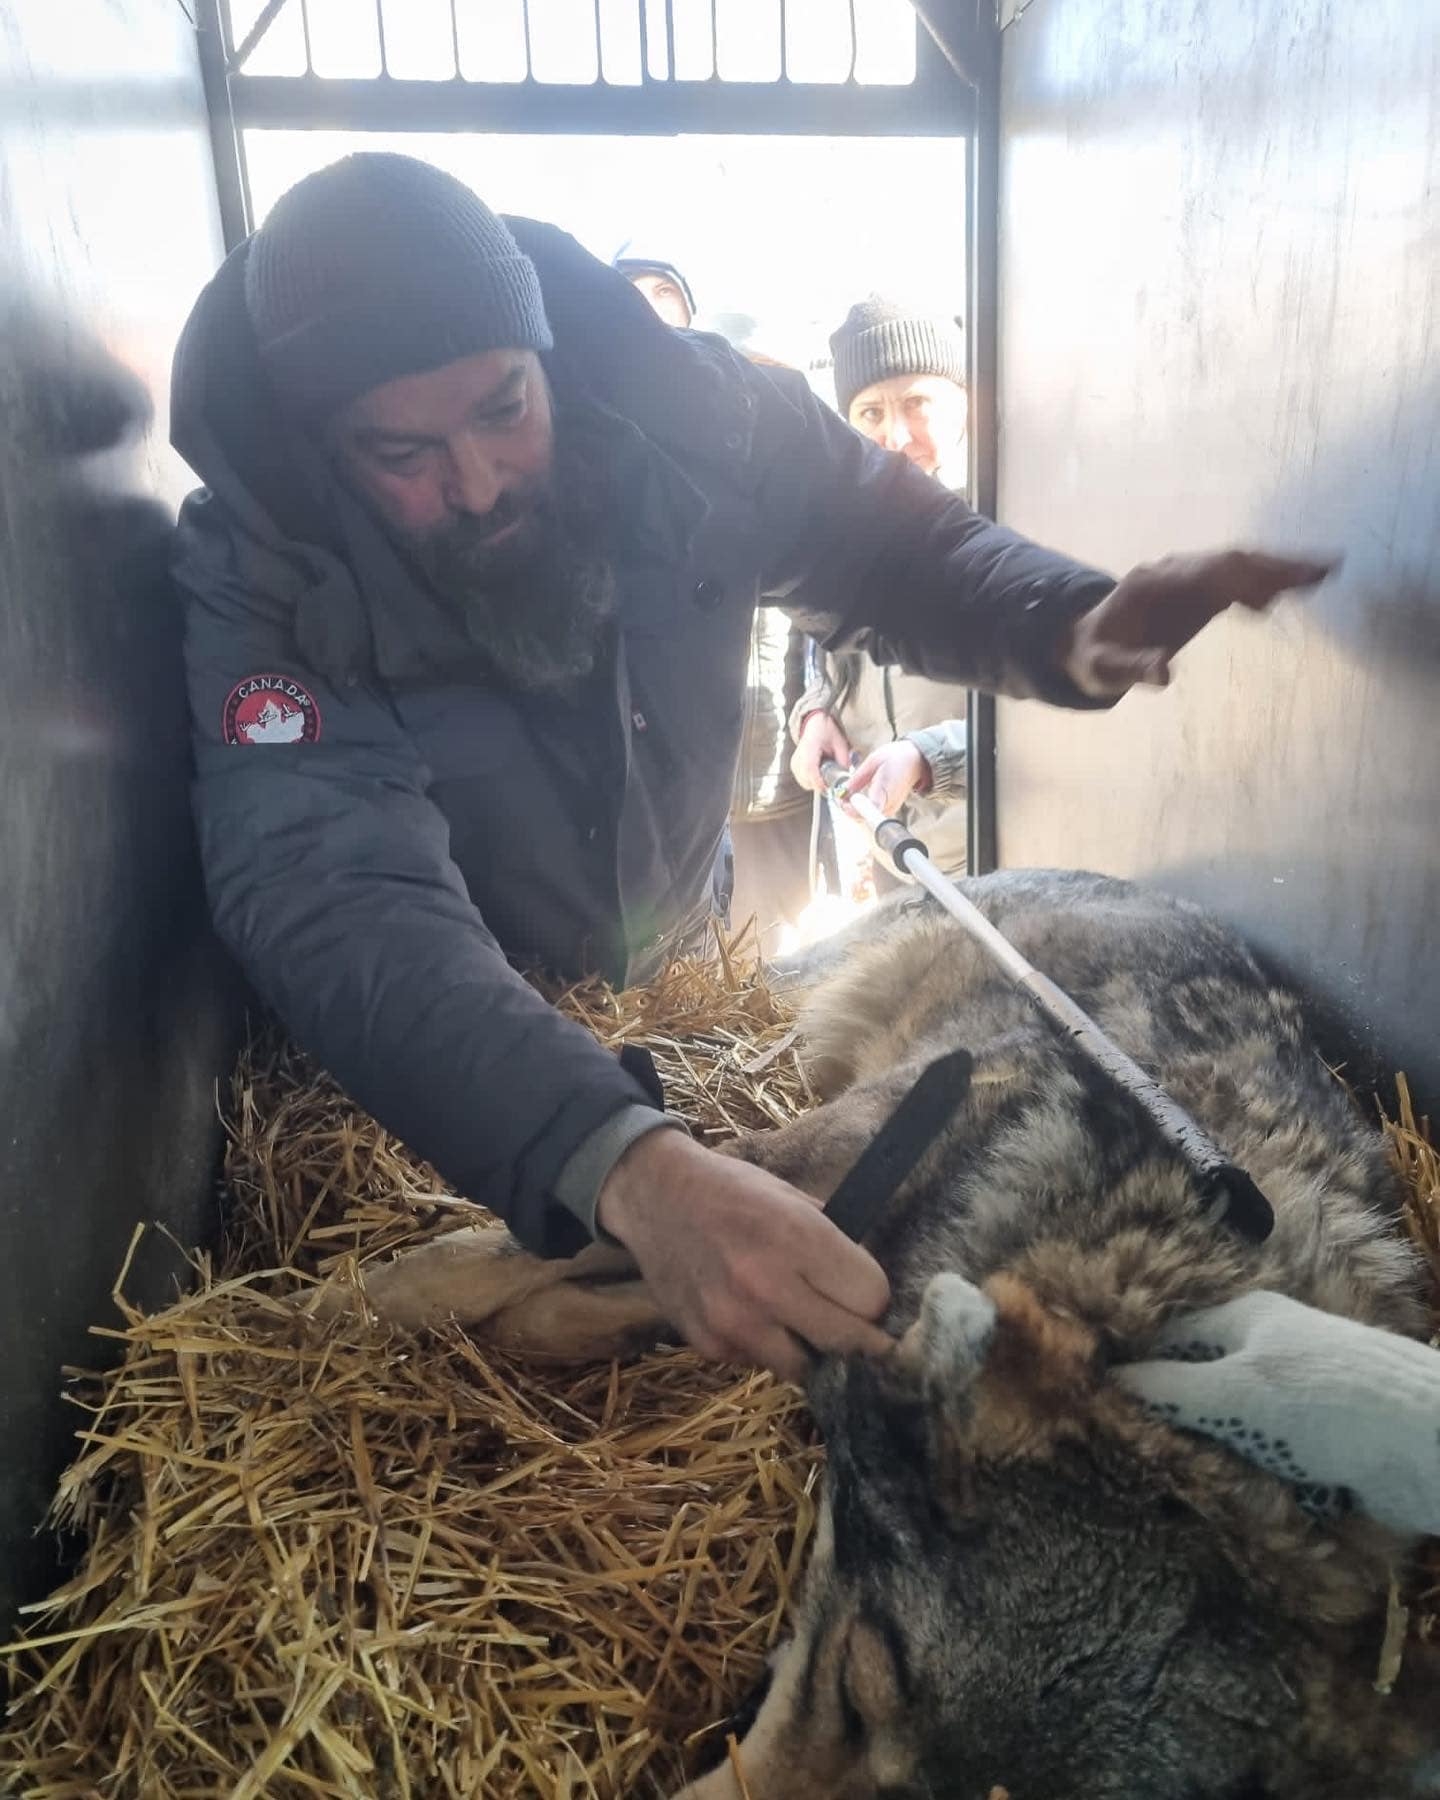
(1417, 1158)
(333, 1561)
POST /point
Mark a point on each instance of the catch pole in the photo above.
(1229, 1195)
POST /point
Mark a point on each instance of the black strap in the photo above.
(639, 1065)
(897, 840)
(1228, 1195)
(1236, 1201)
(907, 1134)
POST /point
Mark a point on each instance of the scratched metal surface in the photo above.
(1221, 257)
(112, 1026)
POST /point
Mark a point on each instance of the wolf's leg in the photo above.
(576, 1322)
(589, 1305)
(473, 1275)
(815, 1151)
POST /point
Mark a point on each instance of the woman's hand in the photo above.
(821, 740)
(890, 775)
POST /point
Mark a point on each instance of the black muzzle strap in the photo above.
(891, 1156)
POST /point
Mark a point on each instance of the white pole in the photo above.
(1230, 1193)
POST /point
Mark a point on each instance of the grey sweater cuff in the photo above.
(944, 748)
(818, 697)
(583, 1174)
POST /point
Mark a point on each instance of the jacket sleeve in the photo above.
(866, 552)
(330, 879)
(818, 693)
(944, 747)
(832, 681)
(794, 674)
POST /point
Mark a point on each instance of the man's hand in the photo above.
(820, 740)
(891, 773)
(1156, 609)
(746, 1268)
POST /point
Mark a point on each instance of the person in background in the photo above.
(662, 284)
(899, 379)
(770, 811)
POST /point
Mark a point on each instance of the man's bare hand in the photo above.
(746, 1268)
(891, 774)
(1157, 608)
(820, 740)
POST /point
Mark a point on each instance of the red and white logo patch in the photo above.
(270, 709)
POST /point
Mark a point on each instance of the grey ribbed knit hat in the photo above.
(881, 338)
(381, 266)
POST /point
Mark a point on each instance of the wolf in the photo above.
(1027, 1581)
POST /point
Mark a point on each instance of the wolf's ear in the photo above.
(1347, 1413)
(907, 1409)
(947, 1345)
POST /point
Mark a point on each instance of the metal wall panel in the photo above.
(1221, 249)
(113, 1025)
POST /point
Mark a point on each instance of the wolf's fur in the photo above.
(1023, 1583)
(1020, 1581)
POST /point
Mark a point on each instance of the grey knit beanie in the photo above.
(381, 266)
(881, 338)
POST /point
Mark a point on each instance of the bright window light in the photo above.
(825, 41)
(778, 237)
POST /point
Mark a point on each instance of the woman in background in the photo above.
(899, 379)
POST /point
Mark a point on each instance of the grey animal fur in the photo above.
(1044, 1149)
(1123, 1614)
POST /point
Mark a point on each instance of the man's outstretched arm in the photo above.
(866, 552)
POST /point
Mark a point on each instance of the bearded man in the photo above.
(497, 534)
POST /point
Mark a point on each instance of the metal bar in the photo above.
(670, 74)
(660, 108)
(968, 35)
(380, 30)
(854, 45)
(269, 13)
(969, 39)
(1229, 1194)
(231, 189)
(455, 37)
(642, 10)
(982, 848)
(982, 211)
(784, 40)
(305, 34)
(529, 43)
(599, 44)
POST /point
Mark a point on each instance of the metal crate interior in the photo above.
(1203, 232)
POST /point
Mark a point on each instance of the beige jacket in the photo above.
(875, 705)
